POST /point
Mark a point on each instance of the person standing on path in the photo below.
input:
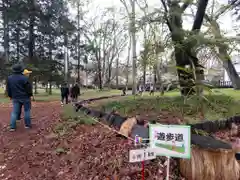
(151, 89)
(27, 74)
(64, 93)
(75, 92)
(140, 89)
(19, 89)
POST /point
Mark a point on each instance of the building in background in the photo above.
(236, 63)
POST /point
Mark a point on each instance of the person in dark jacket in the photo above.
(19, 90)
(75, 92)
(64, 93)
(27, 74)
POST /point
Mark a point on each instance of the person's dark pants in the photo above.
(123, 92)
(64, 97)
(74, 97)
(20, 111)
(17, 104)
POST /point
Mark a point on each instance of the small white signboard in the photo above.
(171, 140)
(138, 155)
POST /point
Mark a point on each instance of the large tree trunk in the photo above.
(78, 42)
(50, 44)
(46, 88)
(66, 58)
(232, 73)
(184, 54)
(145, 54)
(104, 57)
(5, 38)
(18, 41)
(99, 77)
(177, 34)
(155, 75)
(99, 68)
(31, 42)
(117, 71)
(128, 61)
(79, 49)
(5, 29)
(50, 88)
(109, 76)
(144, 73)
(134, 54)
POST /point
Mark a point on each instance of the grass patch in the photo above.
(228, 92)
(216, 106)
(97, 93)
(38, 98)
(42, 96)
(71, 119)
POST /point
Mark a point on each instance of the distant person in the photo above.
(27, 74)
(64, 93)
(70, 91)
(140, 89)
(151, 89)
(162, 90)
(19, 90)
(124, 91)
(75, 92)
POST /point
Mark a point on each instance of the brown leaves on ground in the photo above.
(87, 153)
(230, 135)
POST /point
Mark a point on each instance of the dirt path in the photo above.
(22, 152)
(31, 154)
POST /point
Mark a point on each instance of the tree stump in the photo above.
(210, 159)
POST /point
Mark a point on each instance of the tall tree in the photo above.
(5, 15)
(223, 54)
(106, 40)
(184, 52)
(132, 31)
(32, 18)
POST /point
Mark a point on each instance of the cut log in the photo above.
(210, 159)
(127, 126)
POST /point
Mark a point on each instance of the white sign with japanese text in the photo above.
(138, 155)
(171, 140)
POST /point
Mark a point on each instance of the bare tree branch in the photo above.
(202, 5)
(126, 7)
(166, 13)
(186, 4)
(225, 9)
